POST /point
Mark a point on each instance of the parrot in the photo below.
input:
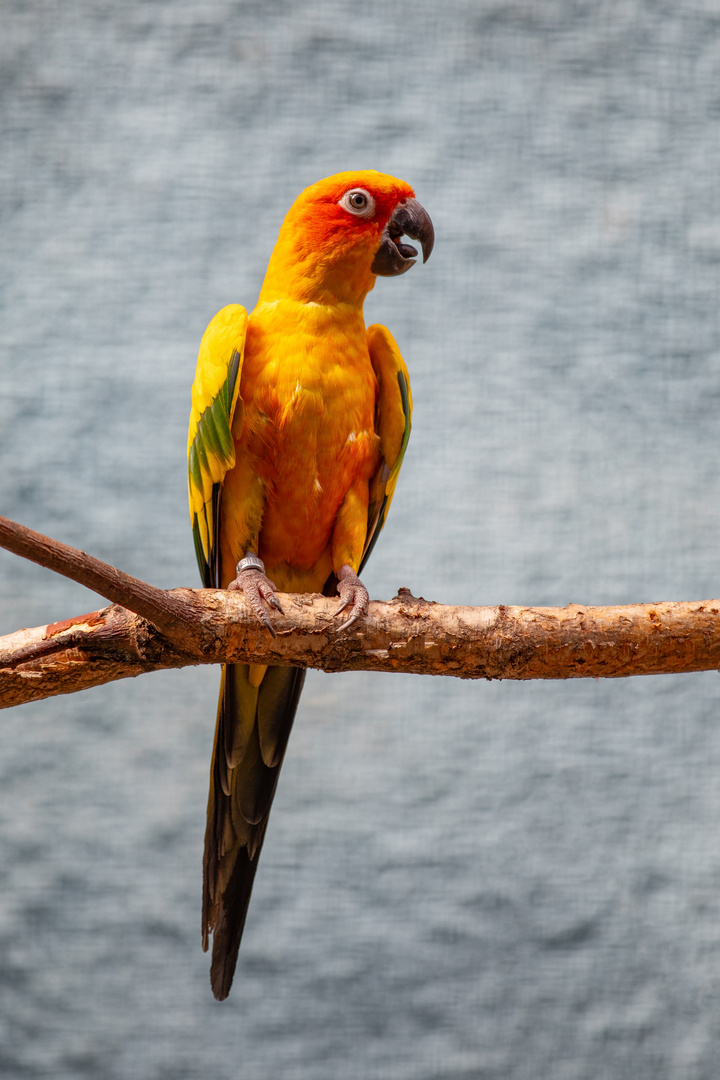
(299, 421)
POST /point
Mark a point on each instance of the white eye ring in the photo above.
(358, 202)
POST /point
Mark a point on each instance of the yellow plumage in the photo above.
(300, 418)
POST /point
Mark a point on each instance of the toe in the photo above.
(259, 591)
(353, 595)
(345, 600)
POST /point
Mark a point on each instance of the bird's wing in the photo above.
(211, 451)
(392, 423)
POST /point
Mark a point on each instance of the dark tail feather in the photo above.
(228, 929)
(251, 736)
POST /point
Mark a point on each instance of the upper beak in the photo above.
(393, 257)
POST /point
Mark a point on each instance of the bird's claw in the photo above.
(353, 595)
(259, 590)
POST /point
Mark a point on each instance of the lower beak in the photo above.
(393, 257)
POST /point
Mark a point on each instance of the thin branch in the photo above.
(168, 614)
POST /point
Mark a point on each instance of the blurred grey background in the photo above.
(460, 880)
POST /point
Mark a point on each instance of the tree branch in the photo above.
(174, 618)
(406, 634)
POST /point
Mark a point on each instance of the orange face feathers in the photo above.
(330, 236)
(322, 211)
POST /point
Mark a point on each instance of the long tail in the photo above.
(253, 727)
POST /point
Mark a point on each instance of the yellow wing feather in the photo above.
(393, 423)
(211, 450)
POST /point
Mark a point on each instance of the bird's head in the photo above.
(341, 233)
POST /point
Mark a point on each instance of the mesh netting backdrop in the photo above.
(460, 880)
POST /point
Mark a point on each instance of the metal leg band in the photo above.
(250, 562)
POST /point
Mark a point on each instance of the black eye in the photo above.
(359, 202)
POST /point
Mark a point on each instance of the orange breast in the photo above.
(309, 392)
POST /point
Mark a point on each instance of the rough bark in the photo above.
(208, 626)
(405, 634)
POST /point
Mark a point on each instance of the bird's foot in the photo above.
(258, 588)
(353, 595)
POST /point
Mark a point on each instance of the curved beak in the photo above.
(393, 257)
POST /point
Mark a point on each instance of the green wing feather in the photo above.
(211, 450)
(393, 423)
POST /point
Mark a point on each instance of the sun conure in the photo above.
(300, 418)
